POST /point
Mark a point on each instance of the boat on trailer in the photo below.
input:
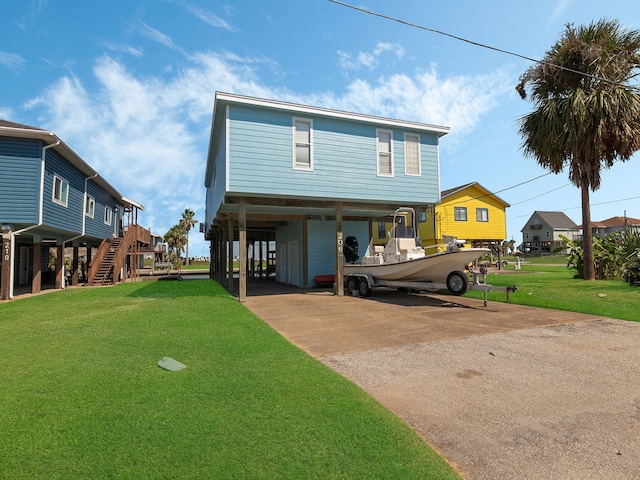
(403, 263)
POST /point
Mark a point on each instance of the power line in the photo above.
(477, 44)
(540, 195)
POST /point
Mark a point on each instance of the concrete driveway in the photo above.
(501, 392)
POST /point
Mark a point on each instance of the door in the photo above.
(23, 274)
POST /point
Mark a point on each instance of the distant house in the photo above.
(614, 224)
(468, 212)
(307, 178)
(50, 198)
(542, 232)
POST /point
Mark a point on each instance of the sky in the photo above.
(129, 86)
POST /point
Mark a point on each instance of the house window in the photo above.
(382, 230)
(548, 235)
(482, 215)
(90, 207)
(302, 146)
(60, 191)
(385, 153)
(108, 215)
(411, 154)
(460, 214)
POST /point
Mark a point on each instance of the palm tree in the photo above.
(175, 238)
(587, 116)
(187, 222)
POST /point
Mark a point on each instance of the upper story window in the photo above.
(382, 230)
(302, 144)
(385, 153)
(60, 191)
(482, 215)
(411, 154)
(108, 215)
(90, 206)
(460, 214)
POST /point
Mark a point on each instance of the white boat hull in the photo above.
(431, 268)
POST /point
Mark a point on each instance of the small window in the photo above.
(482, 215)
(60, 191)
(411, 154)
(90, 207)
(382, 230)
(422, 216)
(460, 214)
(302, 144)
(108, 215)
(385, 153)
(548, 234)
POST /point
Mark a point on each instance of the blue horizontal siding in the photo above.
(95, 227)
(67, 218)
(19, 180)
(345, 163)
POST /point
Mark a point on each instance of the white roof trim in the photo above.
(310, 110)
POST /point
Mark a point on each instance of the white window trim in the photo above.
(108, 216)
(478, 211)
(390, 133)
(89, 200)
(64, 203)
(295, 165)
(460, 209)
(416, 135)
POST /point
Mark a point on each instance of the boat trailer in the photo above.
(457, 283)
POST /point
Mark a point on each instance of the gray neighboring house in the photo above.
(542, 233)
(615, 224)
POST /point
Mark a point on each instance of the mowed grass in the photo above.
(82, 395)
(553, 286)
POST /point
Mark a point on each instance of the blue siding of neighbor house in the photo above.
(344, 159)
(70, 217)
(19, 180)
(95, 227)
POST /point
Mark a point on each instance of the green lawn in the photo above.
(83, 397)
(553, 286)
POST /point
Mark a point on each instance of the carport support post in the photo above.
(242, 235)
(5, 291)
(60, 266)
(339, 246)
(36, 283)
(230, 283)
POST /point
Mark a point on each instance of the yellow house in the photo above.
(469, 212)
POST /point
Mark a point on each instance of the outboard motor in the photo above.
(350, 250)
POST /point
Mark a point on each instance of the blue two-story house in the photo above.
(304, 178)
(50, 198)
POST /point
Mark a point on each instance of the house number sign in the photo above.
(339, 241)
(7, 249)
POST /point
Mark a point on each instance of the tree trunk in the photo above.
(589, 271)
(187, 249)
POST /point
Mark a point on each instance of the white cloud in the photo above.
(369, 60)
(133, 51)
(210, 18)
(11, 60)
(156, 36)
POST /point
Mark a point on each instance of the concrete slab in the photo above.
(501, 391)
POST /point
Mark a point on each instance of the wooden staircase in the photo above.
(109, 265)
(105, 273)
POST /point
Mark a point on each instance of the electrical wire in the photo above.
(477, 44)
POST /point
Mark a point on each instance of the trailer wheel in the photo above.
(457, 283)
(365, 289)
(352, 285)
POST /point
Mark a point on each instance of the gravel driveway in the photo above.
(502, 392)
